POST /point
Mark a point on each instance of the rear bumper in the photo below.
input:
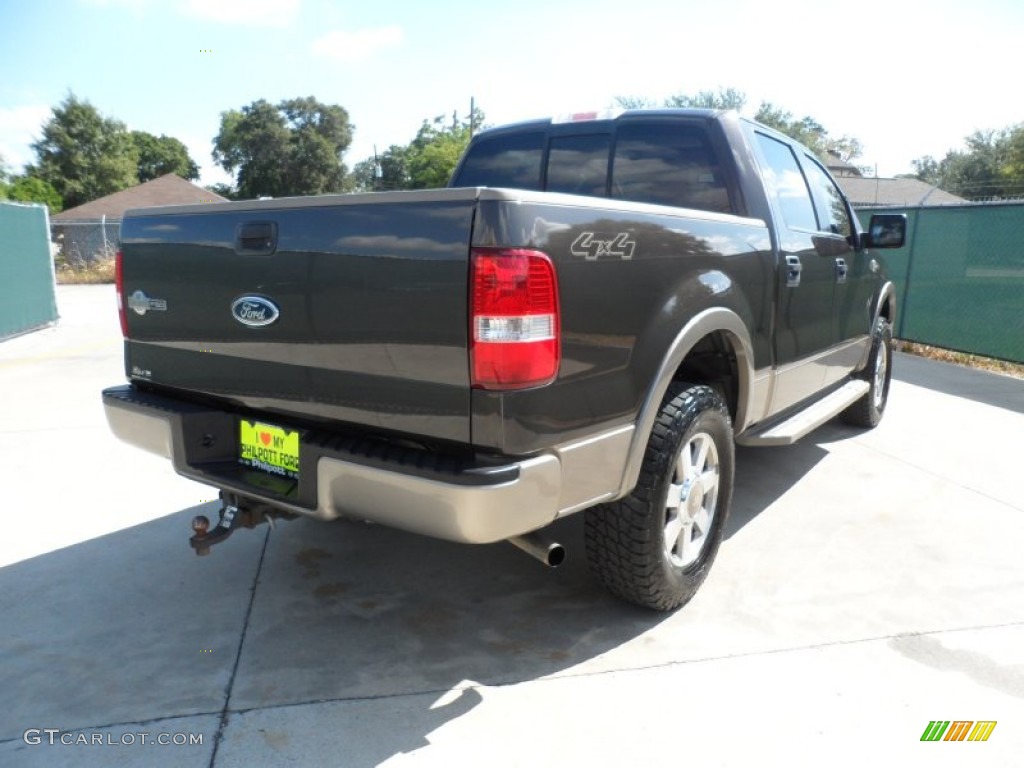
(441, 496)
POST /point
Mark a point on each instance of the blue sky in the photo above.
(908, 78)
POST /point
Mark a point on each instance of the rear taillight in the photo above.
(514, 323)
(119, 287)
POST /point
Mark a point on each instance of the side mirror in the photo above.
(886, 230)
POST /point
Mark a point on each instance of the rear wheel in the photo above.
(655, 546)
(868, 411)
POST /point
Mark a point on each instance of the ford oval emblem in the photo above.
(254, 311)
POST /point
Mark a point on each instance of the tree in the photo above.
(1013, 170)
(991, 167)
(434, 153)
(162, 155)
(386, 171)
(4, 175)
(28, 189)
(723, 98)
(635, 102)
(321, 134)
(427, 162)
(224, 190)
(808, 132)
(84, 155)
(293, 148)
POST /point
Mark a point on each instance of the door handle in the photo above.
(841, 270)
(793, 269)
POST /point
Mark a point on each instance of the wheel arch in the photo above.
(885, 306)
(720, 328)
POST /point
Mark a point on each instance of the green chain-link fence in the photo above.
(27, 296)
(960, 277)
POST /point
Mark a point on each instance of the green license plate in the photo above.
(269, 448)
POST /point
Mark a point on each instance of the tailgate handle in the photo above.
(256, 238)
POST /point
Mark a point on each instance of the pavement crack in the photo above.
(225, 712)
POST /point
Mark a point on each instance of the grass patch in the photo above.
(962, 358)
(85, 272)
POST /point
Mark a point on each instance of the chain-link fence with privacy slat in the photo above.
(960, 277)
(27, 296)
(83, 242)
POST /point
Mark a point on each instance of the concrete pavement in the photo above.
(870, 582)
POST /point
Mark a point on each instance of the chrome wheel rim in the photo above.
(691, 500)
(881, 366)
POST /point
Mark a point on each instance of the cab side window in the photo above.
(786, 182)
(668, 164)
(835, 218)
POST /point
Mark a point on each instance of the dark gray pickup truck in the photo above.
(588, 319)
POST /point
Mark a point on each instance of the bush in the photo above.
(100, 270)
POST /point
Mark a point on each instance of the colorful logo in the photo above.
(958, 730)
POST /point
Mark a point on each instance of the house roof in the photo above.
(165, 190)
(839, 167)
(903, 192)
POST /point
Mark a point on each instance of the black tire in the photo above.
(625, 539)
(868, 411)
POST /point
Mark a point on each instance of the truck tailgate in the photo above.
(347, 308)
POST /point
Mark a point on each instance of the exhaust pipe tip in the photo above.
(551, 553)
(556, 555)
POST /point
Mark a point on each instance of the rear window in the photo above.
(512, 160)
(662, 162)
(578, 164)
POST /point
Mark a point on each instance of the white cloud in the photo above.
(358, 45)
(19, 127)
(263, 13)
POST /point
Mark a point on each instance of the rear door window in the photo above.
(668, 164)
(832, 207)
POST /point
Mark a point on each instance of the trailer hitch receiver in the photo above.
(233, 515)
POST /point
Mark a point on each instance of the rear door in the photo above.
(805, 277)
(854, 280)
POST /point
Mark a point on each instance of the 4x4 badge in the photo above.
(593, 246)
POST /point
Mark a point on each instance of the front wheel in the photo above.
(868, 410)
(655, 547)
